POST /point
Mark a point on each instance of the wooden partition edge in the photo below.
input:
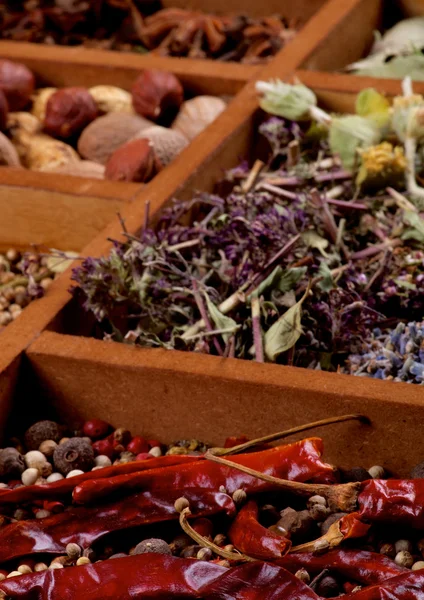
(174, 395)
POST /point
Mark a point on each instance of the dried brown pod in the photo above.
(103, 136)
(17, 82)
(83, 168)
(157, 95)
(134, 161)
(42, 152)
(8, 153)
(68, 111)
(4, 110)
(196, 114)
(110, 98)
(39, 101)
(167, 143)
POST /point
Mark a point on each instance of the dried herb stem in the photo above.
(256, 327)
(204, 313)
(253, 176)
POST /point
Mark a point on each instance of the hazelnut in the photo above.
(11, 463)
(75, 454)
(134, 161)
(104, 135)
(17, 83)
(153, 545)
(68, 111)
(41, 431)
(157, 95)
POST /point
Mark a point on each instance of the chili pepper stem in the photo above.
(340, 498)
(327, 542)
(283, 434)
(205, 543)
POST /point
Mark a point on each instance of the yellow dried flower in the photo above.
(381, 165)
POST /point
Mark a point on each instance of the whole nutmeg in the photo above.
(75, 454)
(134, 161)
(196, 114)
(154, 545)
(104, 135)
(112, 99)
(69, 111)
(39, 102)
(41, 431)
(167, 143)
(157, 95)
(17, 82)
(12, 463)
(4, 111)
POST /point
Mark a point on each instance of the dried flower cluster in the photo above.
(123, 25)
(99, 132)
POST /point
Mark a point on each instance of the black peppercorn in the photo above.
(154, 545)
(355, 474)
(328, 587)
(418, 471)
(12, 463)
(76, 453)
(41, 431)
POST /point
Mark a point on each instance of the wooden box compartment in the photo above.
(294, 388)
(334, 53)
(168, 396)
(44, 208)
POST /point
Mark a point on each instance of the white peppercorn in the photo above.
(303, 575)
(401, 545)
(47, 447)
(377, 472)
(404, 559)
(54, 477)
(74, 473)
(14, 574)
(73, 551)
(24, 569)
(42, 514)
(155, 451)
(239, 496)
(40, 566)
(83, 560)
(35, 460)
(102, 461)
(417, 566)
(29, 476)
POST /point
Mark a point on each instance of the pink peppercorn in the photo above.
(154, 443)
(104, 447)
(143, 456)
(96, 428)
(138, 445)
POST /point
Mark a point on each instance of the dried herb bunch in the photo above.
(143, 26)
(297, 262)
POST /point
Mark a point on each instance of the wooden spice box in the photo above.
(172, 394)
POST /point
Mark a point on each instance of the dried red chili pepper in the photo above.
(393, 500)
(409, 586)
(299, 461)
(83, 526)
(143, 576)
(258, 581)
(364, 567)
(248, 536)
(64, 487)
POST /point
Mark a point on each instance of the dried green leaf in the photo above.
(416, 223)
(220, 320)
(59, 264)
(285, 100)
(373, 105)
(350, 133)
(285, 332)
(290, 278)
(270, 282)
(327, 282)
(313, 240)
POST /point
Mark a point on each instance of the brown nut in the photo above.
(17, 82)
(44, 153)
(68, 111)
(196, 114)
(134, 161)
(167, 143)
(112, 99)
(4, 110)
(8, 153)
(157, 95)
(106, 134)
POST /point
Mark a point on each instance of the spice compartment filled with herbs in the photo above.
(248, 33)
(310, 256)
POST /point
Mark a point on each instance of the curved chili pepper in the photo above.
(364, 567)
(84, 526)
(132, 578)
(64, 487)
(298, 462)
(258, 581)
(409, 586)
(251, 538)
(393, 500)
